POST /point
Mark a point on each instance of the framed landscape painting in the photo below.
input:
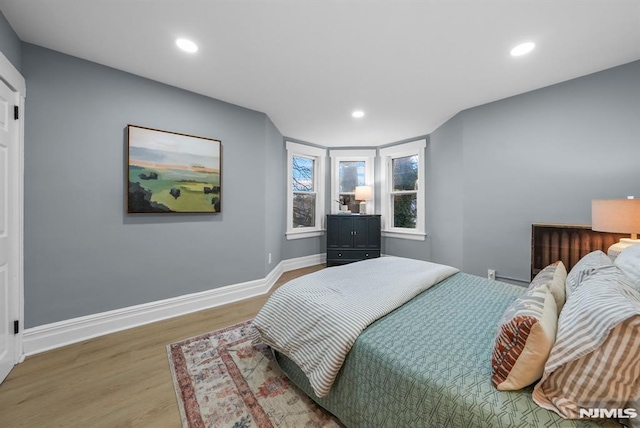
(172, 173)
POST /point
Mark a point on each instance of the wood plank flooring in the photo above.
(119, 380)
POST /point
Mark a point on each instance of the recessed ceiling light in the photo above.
(187, 45)
(522, 49)
(358, 114)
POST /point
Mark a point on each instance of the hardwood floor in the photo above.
(119, 380)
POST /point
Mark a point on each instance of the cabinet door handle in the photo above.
(339, 254)
(366, 255)
(355, 232)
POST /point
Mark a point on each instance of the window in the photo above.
(403, 205)
(305, 190)
(351, 168)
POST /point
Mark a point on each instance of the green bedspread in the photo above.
(428, 364)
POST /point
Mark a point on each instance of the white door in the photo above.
(9, 167)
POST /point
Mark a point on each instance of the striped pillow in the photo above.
(585, 267)
(525, 337)
(595, 362)
(554, 276)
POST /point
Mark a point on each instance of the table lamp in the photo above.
(617, 216)
(363, 193)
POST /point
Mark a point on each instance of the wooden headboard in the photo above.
(566, 242)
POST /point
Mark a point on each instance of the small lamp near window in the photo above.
(617, 216)
(363, 193)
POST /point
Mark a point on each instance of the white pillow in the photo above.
(629, 262)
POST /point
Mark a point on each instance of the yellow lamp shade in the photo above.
(616, 215)
(364, 193)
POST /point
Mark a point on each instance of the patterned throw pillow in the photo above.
(595, 362)
(525, 337)
(585, 267)
(554, 276)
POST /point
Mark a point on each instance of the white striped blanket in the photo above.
(315, 319)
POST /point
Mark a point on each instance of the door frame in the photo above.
(16, 82)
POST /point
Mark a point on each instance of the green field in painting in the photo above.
(191, 184)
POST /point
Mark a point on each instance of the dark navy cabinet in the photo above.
(351, 238)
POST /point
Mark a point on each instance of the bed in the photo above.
(428, 364)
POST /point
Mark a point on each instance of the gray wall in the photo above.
(10, 43)
(83, 254)
(275, 198)
(537, 157)
(445, 188)
(491, 172)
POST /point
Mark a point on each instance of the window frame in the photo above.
(387, 154)
(318, 155)
(367, 156)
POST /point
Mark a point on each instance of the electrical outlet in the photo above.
(269, 258)
(491, 274)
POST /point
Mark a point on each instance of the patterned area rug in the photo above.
(223, 380)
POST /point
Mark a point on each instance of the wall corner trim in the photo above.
(12, 76)
(55, 335)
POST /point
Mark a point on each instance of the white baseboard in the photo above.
(302, 262)
(55, 335)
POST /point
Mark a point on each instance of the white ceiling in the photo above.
(410, 65)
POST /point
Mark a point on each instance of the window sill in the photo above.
(294, 234)
(401, 234)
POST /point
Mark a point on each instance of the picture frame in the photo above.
(170, 172)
